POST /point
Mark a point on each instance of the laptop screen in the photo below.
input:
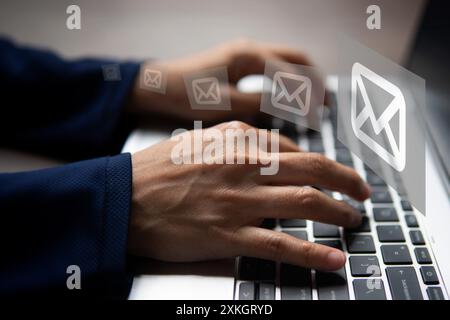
(430, 59)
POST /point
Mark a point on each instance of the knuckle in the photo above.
(307, 197)
(307, 249)
(275, 247)
(236, 124)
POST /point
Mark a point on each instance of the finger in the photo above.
(302, 169)
(289, 202)
(285, 144)
(244, 103)
(277, 246)
(287, 54)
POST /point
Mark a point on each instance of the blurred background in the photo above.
(140, 29)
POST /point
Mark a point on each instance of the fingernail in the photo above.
(336, 259)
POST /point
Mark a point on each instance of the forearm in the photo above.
(71, 215)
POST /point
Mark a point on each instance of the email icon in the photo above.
(153, 78)
(291, 92)
(206, 91)
(382, 118)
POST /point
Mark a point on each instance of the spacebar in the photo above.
(332, 285)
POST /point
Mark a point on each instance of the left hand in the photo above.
(242, 57)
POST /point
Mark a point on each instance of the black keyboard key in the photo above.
(316, 145)
(364, 266)
(422, 255)
(360, 244)
(411, 221)
(247, 291)
(256, 269)
(406, 205)
(295, 293)
(381, 196)
(429, 275)
(385, 214)
(343, 156)
(299, 234)
(435, 293)
(375, 180)
(404, 283)
(325, 230)
(266, 291)
(269, 224)
(391, 233)
(337, 244)
(396, 254)
(293, 223)
(332, 285)
(295, 282)
(363, 227)
(369, 289)
(417, 237)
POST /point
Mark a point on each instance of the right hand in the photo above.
(198, 211)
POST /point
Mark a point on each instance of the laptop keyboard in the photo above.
(387, 256)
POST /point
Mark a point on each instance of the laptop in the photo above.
(397, 253)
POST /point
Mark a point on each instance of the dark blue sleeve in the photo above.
(62, 108)
(75, 214)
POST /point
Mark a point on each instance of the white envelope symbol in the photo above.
(206, 90)
(396, 158)
(153, 78)
(290, 99)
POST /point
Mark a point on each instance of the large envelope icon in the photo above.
(153, 78)
(397, 157)
(206, 90)
(291, 92)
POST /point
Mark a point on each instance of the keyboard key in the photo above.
(383, 196)
(256, 269)
(364, 266)
(266, 291)
(435, 293)
(359, 206)
(299, 234)
(429, 275)
(396, 254)
(391, 233)
(337, 244)
(369, 289)
(406, 205)
(332, 285)
(417, 237)
(385, 214)
(422, 255)
(316, 145)
(325, 230)
(293, 223)
(360, 244)
(269, 224)
(246, 291)
(295, 282)
(375, 180)
(364, 226)
(295, 293)
(411, 221)
(404, 283)
(343, 156)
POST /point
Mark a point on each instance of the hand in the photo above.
(242, 58)
(198, 211)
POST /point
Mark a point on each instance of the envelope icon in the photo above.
(153, 78)
(206, 90)
(291, 92)
(393, 150)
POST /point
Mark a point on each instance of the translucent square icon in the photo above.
(208, 89)
(153, 78)
(111, 72)
(379, 118)
(294, 93)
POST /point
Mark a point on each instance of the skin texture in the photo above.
(194, 212)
